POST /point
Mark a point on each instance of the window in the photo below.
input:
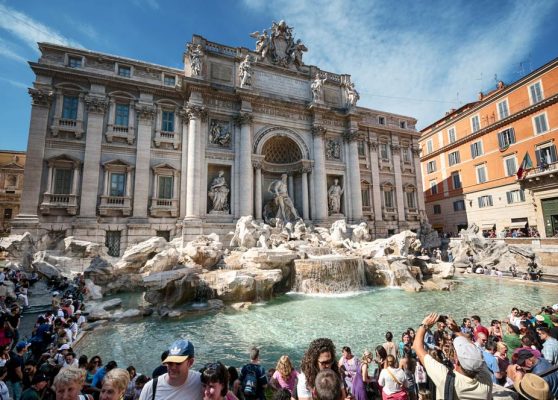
(112, 242)
(535, 92)
(485, 201)
(476, 149)
(454, 158)
(117, 184)
(546, 154)
(7, 213)
(121, 114)
(481, 173)
(452, 137)
(429, 147)
(437, 209)
(540, 124)
(164, 234)
(384, 151)
(402, 124)
(69, 107)
(511, 165)
(459, 205)
(169, 80)
(124, 71)
(62, 181)
(168, 121)
(475, 123)
(515, 196)
(503, 110)
(406, 152)
(74, 62)
(431, 166)
(365, 194)
(506, 138)
(382, 120)
(456, 180)
(411, 200)
(361, 149)
(388, 199)
(165, 187)
(433, 187)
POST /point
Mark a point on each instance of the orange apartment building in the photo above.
(470, 159)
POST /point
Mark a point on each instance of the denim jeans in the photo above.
(15, 389)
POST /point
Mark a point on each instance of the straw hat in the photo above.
(532, 386)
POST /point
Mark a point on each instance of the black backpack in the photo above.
(250, 383)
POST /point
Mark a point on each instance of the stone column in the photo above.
(35, 158)
(195, 113)
(291, 186)
(376, 192)
(245, 162)
(146, 113)
(399, 197)
(96, 107)
(183, 161)
(75, 180)
(354, 176)
(319, 175)
(258, 189)
(418, 178)
(305, 203)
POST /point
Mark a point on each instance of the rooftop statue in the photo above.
(195, 52)
(279, 45)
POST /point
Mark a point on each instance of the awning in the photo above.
(488, 226)
(515, 225)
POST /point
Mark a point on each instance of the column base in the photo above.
(191, 228)
(26, 223)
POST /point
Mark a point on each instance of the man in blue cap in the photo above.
(179, 382)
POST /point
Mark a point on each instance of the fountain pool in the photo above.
(287, 324)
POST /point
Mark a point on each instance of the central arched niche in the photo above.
(281, 150)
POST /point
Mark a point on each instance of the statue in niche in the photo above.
(333, 150)
(334, 197)
(280, 209)
(245, 71)
(352, 95)
(317, 86)
(195, 52)
(219, 133)
(219, 193)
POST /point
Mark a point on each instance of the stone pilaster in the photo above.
(257, 164)
(193, 181)
(320, 212)
(244, 120)
(355, 213)
(305, 203)
(145, 113)
(184, 119)
(96, 107)
(399, 197)
(418, 179)
(32, 177)
(376, 192)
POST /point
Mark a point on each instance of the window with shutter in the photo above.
(62, 181)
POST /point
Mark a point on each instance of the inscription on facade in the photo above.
(278, 112)
(283, 85)
(332, 96)
(221, 72)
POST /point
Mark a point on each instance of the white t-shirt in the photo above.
(389, 384)
(465, 387)
(190, 390)
(301, 389)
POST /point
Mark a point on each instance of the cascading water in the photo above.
(329, 274)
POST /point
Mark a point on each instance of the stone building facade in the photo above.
(121, 150)
(12, 164)
(472, 156)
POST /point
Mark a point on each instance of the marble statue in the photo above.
(195, 53)
(317, 87)
(298, 49)
(219, 133)
(279, 46)
(333, 150)
(334, 196)
(280, 208)
(245, 72)
(262, 45)
(360, 233)
(219, 193)
(352, 95)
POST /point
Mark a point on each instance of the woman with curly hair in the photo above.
(285, 375)
(319, 356)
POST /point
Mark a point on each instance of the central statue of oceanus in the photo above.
(280, 209)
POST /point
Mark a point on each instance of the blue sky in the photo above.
(417, 58)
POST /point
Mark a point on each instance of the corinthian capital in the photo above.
(196, 112)
(395, 147)
(41, 97)
(350, 135)
(96, 104)
(145, 112)
(318, 130)
(243, 118)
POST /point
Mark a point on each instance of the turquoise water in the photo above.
(287, 324)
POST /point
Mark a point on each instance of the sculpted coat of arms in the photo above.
(278, 45)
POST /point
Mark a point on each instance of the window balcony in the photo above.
(74, 126)
(122, 132)
(164, 207)
(167, 137)
(59, 201)
(115, 205)
(412, 214)
(389, 213)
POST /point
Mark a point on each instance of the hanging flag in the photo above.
(525, 165)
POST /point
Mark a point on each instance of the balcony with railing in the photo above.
(389, 213)
(120, 131)
(167, 137)
(541, 175)
(115, 205)
(412, 214)
(163, 207)
(74, 126)
(59, 201)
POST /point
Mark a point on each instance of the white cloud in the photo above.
(30, 31)
(17, 84)
(412, 58)
(8, 52)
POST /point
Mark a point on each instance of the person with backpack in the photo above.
(253, 377)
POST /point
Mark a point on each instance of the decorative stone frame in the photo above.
(117, 66)
(164, 207)
(67, 57)
(389, 213)
(116, 131)
(116, 205)
(53, 200)
(367, 210)
(411, 213)
(162, 136)
(60, 124)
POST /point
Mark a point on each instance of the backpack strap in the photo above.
(154, 388)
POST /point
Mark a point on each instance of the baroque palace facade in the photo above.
(493, 162)
(121, 150)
